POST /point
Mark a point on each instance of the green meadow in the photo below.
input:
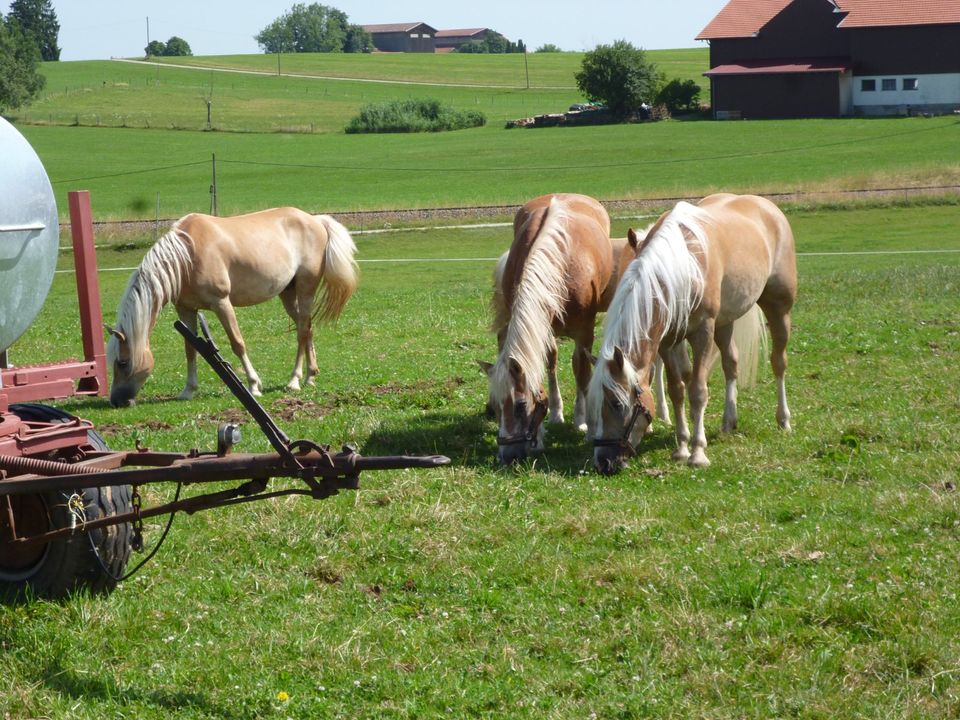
(806, 575)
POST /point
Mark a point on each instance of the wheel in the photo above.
(70, 563)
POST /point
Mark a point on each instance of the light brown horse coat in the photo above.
(559, 272)
(700, 269)
(220, 263)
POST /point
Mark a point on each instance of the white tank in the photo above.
(29, 235)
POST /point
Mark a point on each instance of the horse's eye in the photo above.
(123, 364)
(616, 405)
(520, 409)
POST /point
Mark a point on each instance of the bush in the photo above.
(680, 96)
(413, 116)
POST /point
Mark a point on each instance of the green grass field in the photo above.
(135, 135)
(809, 575)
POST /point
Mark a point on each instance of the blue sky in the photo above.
(100, 29)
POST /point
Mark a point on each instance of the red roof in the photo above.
(746, 18)
(742, 18)
(886, 13)
(770, 67)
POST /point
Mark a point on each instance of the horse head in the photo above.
(519, 410)
(620, 409)
(130, 370)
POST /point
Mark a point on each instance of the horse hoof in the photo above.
(680, 455)
(582, 427)
(185, 396)
(293, 386)
(698, 460)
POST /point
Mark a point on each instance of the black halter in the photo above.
(529, 436)
(624, 442)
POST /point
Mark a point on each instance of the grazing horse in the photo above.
(207, 262)
(559, 273)
(700, 268)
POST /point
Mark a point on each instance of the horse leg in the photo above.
(677, 365)
(659, 392)
(779, 324)
(556, 401)
(729, 358)
(305, 300)
(290, 302)
(189, 318)
(228, 319)
(702, 343)
(582, 370)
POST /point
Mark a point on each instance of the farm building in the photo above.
(449, 40)
(834, 58)
(403, 37)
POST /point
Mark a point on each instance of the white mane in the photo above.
(665, 278)
(157, 281)
(540, 298)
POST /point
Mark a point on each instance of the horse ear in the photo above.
(485, 366)
(632, 238)
(116, 333)
(516, 372)
(618, 359)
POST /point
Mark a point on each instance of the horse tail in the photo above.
(750, 337)
(340, 272)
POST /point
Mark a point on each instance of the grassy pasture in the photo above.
(126, 169)
(809, 575)
(314, 93)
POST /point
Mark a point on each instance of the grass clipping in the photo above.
(409, 116)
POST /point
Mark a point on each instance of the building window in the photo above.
(868, 85)
(414, 35)
(911, 84)
(888, 84)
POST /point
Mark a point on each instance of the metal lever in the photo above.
(209, 351)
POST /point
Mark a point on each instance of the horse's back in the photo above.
(250, 257)
(753, 250)
(581, 232)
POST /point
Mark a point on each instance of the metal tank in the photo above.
(29, 235)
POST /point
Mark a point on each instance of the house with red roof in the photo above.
(834, 58)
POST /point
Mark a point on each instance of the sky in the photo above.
(101, 29)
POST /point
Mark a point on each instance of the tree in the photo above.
(38, 22)
(358, 40)
(618, 75)
(155, 49)
(177, 47)
(313, 28)
(548, 48)
(493, 43)
(19, 56)
(680, 96)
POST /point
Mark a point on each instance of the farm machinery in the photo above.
(71, 510)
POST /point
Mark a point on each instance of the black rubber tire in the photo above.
(70, 563)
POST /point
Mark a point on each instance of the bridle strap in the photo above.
(539, 413)
(624, 442)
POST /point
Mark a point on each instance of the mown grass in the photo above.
(125, 170)
(807, 575)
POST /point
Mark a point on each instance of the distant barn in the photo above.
(403, 37)
(450, 40)
(834, 58)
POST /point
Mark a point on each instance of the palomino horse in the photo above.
(559, 273)
(221, 263)
(700, 268)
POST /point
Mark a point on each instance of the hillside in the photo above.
(314, 93)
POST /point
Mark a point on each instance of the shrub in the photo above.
(680, 96)
(618, 75)
(413, 116)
